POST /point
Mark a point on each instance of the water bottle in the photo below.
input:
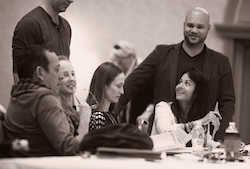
(198, 139)
(232, 142)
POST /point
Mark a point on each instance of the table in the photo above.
(182, 161)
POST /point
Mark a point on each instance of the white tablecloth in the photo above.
(183, 161)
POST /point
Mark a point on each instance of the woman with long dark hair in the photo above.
(106, 87)
(189, 105)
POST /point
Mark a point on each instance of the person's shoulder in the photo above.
(34, 13)
(164, 104)
(64, 21)
(42, 91)
(32, 17)
(168, 45)
(38, 9)
(165, 47)
(97, 115)
(47, 97)
(46, 101)
(216, 54)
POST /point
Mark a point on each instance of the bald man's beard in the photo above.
(194, 40)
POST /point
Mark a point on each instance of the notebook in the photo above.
(128, 152)
(170, 140)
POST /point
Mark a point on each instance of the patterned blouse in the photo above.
(99, 119)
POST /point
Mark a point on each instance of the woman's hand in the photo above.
(212, 116)
(85, 111)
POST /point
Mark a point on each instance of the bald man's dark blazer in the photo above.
(161, 67)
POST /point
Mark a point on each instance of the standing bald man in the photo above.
(42, 26)
(167, 62)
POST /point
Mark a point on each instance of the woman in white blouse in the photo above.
(189, 105)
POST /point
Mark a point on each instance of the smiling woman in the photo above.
(185, 88)
(79, 120)
(189, 106)
(67, 77)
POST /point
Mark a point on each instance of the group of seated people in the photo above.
(44, 110)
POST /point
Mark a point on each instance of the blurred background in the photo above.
(98, 24)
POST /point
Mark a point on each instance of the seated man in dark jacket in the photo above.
(35, 112)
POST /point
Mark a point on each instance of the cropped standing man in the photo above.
(124, 55)
(43, 25)
(166, 63)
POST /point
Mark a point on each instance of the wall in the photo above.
(98, 24)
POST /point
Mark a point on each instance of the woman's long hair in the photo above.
(103, 76)
(200, 97)
(68, 106)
